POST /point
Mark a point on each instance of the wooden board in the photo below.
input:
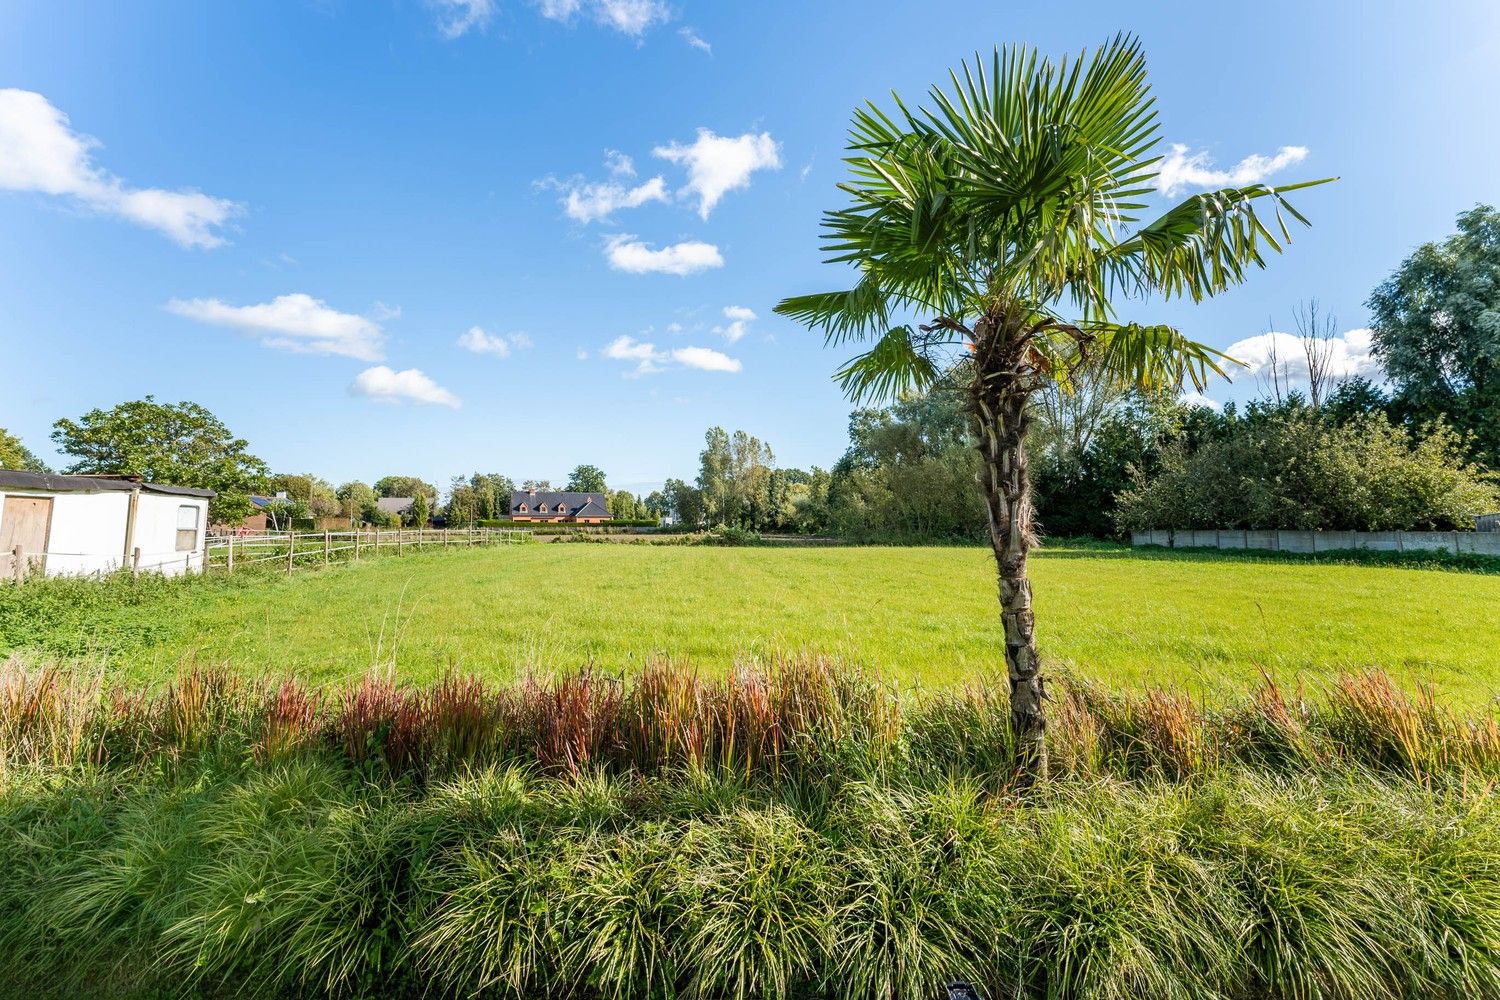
(27, 522)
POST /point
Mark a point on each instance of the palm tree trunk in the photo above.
(1002, 418)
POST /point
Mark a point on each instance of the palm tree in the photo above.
(998, 227)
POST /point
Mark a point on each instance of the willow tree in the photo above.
(995, 234)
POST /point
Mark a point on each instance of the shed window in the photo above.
(187, 528)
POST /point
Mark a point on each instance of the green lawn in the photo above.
(925, 615)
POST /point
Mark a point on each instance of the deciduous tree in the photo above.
(178, 444)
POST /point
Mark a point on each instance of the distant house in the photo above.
(558, 506)
(70, 525)
(397, 507)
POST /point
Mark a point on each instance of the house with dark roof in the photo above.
(397, 507)
(558, 506)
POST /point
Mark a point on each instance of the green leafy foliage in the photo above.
(15, 455)
(587, 479)
(1291, 467)
(798, 833)
(180, 444)
(1437, 331)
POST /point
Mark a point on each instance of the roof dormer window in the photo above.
(523, 508)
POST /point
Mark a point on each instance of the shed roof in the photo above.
(54, 483)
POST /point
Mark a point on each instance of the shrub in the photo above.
(1294, 469)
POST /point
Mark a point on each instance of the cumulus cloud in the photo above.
(695, 40)
(296, 322)
(477, 341)
(626, 253)
(1197, 399)
(1349, 354)
(648, 359)
(705, 359)
(410, 385)
(597, 202)
(458, 17)
(629, 17)
(1180, 169)
(739, 323)
(40, 152)
(718, 164)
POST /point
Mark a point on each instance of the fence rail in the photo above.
(301, 549)
(290, 549)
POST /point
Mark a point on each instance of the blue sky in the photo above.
(297, 214)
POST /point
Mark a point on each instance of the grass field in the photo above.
(922, 615)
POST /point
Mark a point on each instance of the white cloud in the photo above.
(39, 151)
(597, 202)
(626, 253)
(618, 163)
(410, 385)
(1197, 399)
(1180, 169)
(630, 17)
(296, 322)
(695, 40)
(477, 341)
(719, 164)
(559, 10)
(458, 17)
(648, 359)
(706, 359)
(739, 323)
(1349, 354)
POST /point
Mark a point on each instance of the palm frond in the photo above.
(1131, 355)
(900, 361)
(1207, 243)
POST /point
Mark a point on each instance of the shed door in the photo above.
(26, 522)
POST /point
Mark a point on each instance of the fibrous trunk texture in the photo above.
(1002, 419)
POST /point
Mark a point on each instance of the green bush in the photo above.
(1295, 469)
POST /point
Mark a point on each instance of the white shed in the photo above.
(72, 525)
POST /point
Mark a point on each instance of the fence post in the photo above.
(291, 550)
(325, 548)
(230, 557)
(18, 563)
(357, 533)
(135, 563)
(400, 541)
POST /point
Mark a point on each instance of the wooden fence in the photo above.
(303, 549)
